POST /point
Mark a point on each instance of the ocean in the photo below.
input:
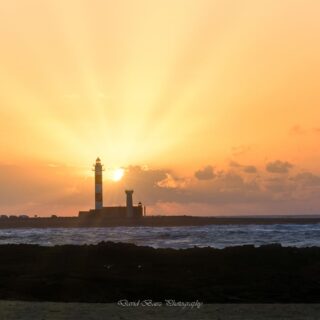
(217, 236)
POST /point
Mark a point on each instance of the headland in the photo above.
(148, 221)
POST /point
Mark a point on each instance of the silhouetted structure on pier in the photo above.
(100, 212)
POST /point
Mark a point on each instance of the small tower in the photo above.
(129, 203)
(98, 168)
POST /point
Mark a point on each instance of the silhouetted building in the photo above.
(112, 212)
(100, 212)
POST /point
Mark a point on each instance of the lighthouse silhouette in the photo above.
(98, 168)
(119, 212)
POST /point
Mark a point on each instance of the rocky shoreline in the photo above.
(109, 272)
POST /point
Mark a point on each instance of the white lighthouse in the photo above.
(98, 168)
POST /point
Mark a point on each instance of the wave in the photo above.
(217, 236)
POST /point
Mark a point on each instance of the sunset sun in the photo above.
(117, 174)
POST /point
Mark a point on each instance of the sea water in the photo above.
(217, 236)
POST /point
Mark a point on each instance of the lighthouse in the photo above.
(100, 212)
(129, 211)
(98, 168)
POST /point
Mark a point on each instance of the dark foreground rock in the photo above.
(109, 272)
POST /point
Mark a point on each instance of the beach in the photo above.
(13, 310)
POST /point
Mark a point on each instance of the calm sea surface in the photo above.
(218, 236)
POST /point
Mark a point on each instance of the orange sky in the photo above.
(186, 95)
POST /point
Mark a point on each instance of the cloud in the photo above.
(278, 166)
(227, 187)
(157, 186)
(234, 164)
(205, 174)
(280, 186)
(172, 182)
(144, 181)
(307, 179)
(246, 168)
(231, 181)
(250, 169)
(61, 190)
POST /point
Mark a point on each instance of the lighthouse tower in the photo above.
(129, 203)
(98, 168)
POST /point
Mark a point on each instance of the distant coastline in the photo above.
(150, 221)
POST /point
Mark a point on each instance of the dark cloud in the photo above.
(280, 186)
(279, 166)
(228, 187)
(205, 174)
(307, 179)
(245, 168)
(250, 169)
(156, 186)
(231, 180)
(234, 164)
